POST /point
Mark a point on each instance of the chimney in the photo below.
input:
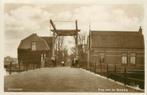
(140, 30)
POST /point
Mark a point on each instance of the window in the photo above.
(41, 57)
(124, 59)
(132, 58)
(102, 58)
(33, 46)
(44, 55)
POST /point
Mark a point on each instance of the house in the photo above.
(35, 51)
(115, 48)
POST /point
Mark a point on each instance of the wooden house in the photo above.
(35, 51)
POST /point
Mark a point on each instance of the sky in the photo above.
(21, 20)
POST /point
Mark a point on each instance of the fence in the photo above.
(128, 74)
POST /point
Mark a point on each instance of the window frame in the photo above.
(33, 46)
(124, 58)
(102, 58)
(133, 61)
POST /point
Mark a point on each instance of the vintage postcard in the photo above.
(73, 46)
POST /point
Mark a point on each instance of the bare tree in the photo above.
(82, 39)
(59, 43)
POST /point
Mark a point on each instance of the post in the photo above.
(76, 43)
(19, 66)
(115, 68)
(125, 75)
(26, 66)
(33, 66)
(100, 67)
(53, 47)
(53, 41)
(89, 49)
(51, 22)
(88, 60)
(10, 67)
(107, 69)
(95, 67)
(76, 25)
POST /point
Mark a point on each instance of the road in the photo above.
(61, 79)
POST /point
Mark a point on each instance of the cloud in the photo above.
(107, 17)
(24, 20)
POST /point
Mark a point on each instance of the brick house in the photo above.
(35, 51)
(116, 47)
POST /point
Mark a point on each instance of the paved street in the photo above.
(61, 79)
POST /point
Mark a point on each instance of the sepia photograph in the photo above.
(74, 47)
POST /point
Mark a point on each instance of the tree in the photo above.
(82, 39)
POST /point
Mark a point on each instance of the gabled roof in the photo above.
(117, 39)
(48, 40)
(26, 43)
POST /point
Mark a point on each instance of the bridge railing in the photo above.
(128, 74)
